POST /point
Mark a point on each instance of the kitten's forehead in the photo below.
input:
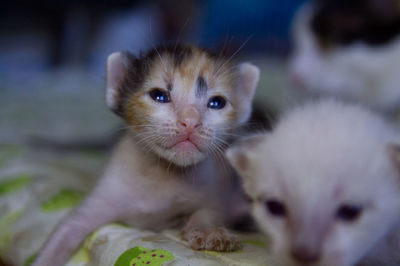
(191, 69)
(327, 177)
(329, 150)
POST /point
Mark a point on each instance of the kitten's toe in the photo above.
(221, 239)
(212, 238)
(195, 237)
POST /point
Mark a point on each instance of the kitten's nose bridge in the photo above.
(189, 118)
(307, 243)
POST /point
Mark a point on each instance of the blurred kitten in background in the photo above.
(349, 49)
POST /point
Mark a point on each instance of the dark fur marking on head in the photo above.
(201, 88)
(169, 86)
(181, 53)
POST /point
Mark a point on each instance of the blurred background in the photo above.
(53, 53)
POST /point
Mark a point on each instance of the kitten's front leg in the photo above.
(205, 230)
(70, 233)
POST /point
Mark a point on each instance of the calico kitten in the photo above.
(325, 186)
(179, 104)
(349, 49)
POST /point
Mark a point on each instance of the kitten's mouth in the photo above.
(185, 145)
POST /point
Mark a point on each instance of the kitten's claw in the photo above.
(211, 238)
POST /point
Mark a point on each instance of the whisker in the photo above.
(147, 138)
(225, 45)
(218, 154)
(233, 55)
(155, 47)
(179, 34)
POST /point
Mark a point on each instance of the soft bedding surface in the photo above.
(37, 189)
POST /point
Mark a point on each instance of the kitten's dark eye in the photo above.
(348, 213)
(159, 95)
(275, 207)
(216, 102)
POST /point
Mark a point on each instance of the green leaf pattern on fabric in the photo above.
(83, 254)
(140, 256)
(14, 183)
(66, 198)
(30, 260)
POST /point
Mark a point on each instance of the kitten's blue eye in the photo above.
(159, 95)
(348, 213)
(216, 102)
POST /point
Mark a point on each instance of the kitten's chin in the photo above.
(182, 154)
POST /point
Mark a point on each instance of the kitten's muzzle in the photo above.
(185, 138)
(189, 119)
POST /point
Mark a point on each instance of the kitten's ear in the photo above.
(394, 153)
(118, 65)
(240, 154)
(249, 76)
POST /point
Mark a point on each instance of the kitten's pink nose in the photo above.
(297, 78)
(305, 255)
(189, 119)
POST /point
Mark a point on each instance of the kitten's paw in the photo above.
(211, 238)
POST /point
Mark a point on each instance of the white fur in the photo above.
(319, 157)
(356, 72)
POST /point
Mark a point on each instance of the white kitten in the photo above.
(338, 56)
(325, 186)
